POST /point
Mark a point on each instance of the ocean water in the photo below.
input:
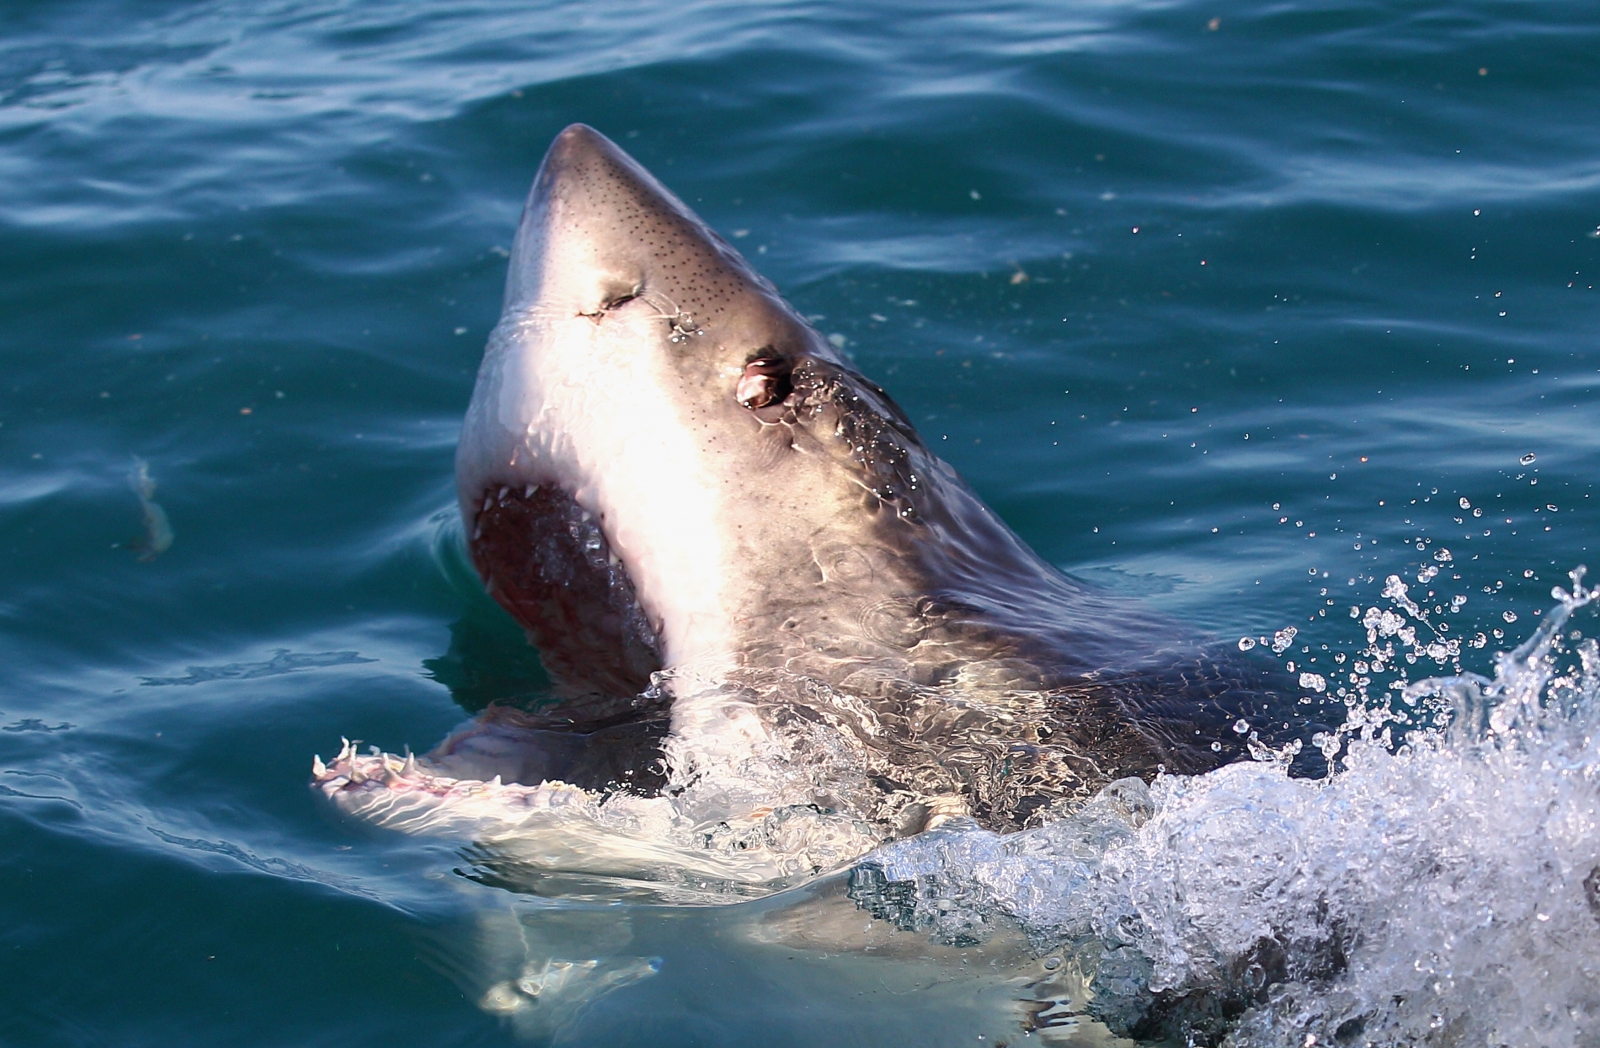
(1246, 309)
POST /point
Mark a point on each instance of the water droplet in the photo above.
(1527, 460)
(1246, 643)
(1241, 725)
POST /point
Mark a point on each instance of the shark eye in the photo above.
(765, 381)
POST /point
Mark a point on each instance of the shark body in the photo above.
(666, 475)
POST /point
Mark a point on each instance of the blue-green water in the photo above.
(1227, 305)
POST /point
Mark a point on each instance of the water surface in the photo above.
(1240, 308)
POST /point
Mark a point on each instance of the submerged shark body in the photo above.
(756, 585)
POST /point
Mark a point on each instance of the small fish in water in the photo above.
(157, 537)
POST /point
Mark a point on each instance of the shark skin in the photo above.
(709, 521)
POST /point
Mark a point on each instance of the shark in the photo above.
(765, 601)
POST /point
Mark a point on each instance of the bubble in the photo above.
(1241, 726)
(1527, 460)
(1465, 504)
(1315, 681)
(1246, 643)
(1509, 616)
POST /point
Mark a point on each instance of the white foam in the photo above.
(1446, 891)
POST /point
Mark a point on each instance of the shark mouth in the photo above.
(547, 561)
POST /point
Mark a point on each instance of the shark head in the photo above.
(664, 463)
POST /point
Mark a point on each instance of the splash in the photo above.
(1442, 888)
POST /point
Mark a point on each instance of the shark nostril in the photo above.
(765, 381)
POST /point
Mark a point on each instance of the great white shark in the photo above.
(757, 587)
